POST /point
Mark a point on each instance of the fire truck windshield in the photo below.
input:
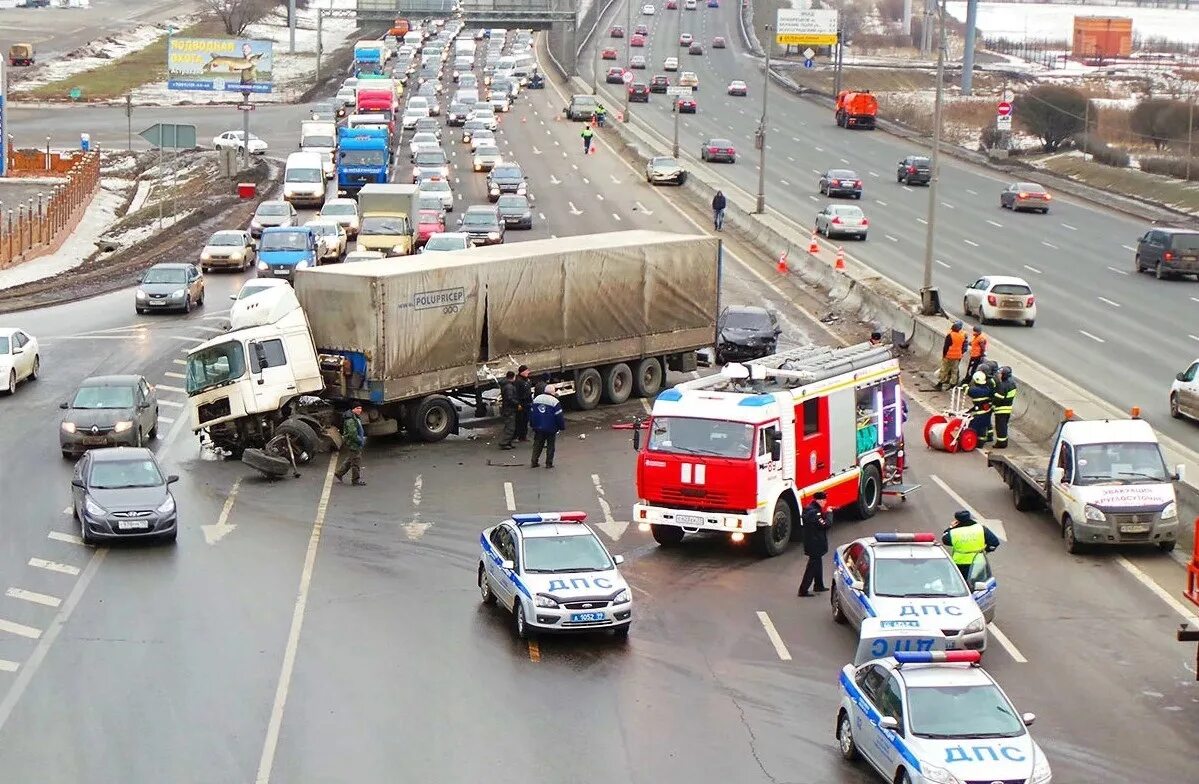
(689, 436)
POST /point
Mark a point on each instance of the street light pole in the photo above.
(929, 301)
(628, 54)
(678, 17)
(760, 207)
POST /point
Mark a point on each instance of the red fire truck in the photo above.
(740, 452)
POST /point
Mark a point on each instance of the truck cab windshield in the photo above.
(214, 366)
(1134, 463)
(689, 436)
(363, 157)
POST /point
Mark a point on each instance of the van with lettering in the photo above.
(1105, 482)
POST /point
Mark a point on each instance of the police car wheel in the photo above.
(622, 633)
(485, 588)
(521, 625)
(838, 613)
(849, 748)
(903, 778)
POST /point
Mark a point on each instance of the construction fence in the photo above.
(40, 225)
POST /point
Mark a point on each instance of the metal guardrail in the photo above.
(515, 11)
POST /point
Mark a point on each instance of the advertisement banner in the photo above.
(219, 65)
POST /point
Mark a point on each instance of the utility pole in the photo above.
(930, 303)
(968, 52)
(1190, 134)
(837, 62)
(926, 30)
(291, 26)
(760, 207)
(628, 54)
(320, 18)
(129, 121)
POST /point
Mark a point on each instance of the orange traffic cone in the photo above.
(524, 119)
(781, 267)
(594, 122)
(840, 263)
(813, 245)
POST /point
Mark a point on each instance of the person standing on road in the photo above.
(601, 114)
(1003, 399)
(816, 521)
(951, 358)
(978, 350)
(353, 441)
(981, 396)
(719, 203)
(548, 421)
(968, 538)
(508, 409)
(587, 133)
(524, 402)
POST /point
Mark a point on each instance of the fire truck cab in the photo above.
(740, 452)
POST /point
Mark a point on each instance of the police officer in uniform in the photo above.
(1002, 400)
(817, 518)
(587, 133)
(967, 538)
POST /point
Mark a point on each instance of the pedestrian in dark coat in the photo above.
(353, 441)
(508, 409)
(548, 421)
(524, 397)
(719, 203)
(817, 518)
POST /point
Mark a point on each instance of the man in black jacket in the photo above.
(816, 521)
(508, 407)
(719, 203)
(524, 402)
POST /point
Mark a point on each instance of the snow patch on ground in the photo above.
(130, 237)
(1025, 21)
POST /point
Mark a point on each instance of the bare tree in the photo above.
(236, 15)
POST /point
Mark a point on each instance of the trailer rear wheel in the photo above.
(648, 377)
(667, 535)
(870, 493)
(433, 420)
(269, 465)
(589, 389)
(618, 383)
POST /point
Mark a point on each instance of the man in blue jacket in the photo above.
(547, 420)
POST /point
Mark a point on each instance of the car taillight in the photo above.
(865, 221)
(1022, 195)
(713, 149)
(1028, 303)
(1168, 256)
(1046, 196)
(834, 182)
(857, 184)
(730, 151)
(991, 300)
(911, 170)
(836, 220)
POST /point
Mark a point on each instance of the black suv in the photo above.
(914, 170)
(505, 178)
(745, 333)
(1168, 253)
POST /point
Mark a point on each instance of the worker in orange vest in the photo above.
(978, 350)
(951, 357)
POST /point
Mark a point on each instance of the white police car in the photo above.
(910, 577)
(553, 573)
(936, 718)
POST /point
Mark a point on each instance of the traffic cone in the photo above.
(840, 263)
(813, 245)
(781, 267)
(524, 119)
(594, 122)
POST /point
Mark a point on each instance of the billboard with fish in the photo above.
(219, 65)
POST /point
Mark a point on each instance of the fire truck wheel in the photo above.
(870, 493)
(773, 541)
(667, 535)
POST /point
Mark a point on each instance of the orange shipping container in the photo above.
(1102, 37)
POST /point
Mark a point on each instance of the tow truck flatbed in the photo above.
(1026, 475)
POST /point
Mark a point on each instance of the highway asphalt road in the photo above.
(56, 31)
(1094, 312)
(170, 658)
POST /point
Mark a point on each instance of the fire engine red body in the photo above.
(743, 455)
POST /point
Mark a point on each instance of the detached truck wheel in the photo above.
(304, 440)
(270, 466)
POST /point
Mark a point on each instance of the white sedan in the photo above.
(647, 9)
(487, 157)
(1184, 393)
(842, 220)
(330, 238)
(19, 359)
(233, 140)
(411, 115)
(1000, 298)
(438, 187)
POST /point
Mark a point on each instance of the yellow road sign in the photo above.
(805, 39)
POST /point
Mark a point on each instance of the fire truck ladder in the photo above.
(797, 367)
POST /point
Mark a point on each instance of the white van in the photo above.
(321, 138)
(413, 38)
(304, 179)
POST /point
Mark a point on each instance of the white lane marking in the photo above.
(417, 527)
(68, 510)
(221, 528)
(994, 525)
(881, 203)
(873, 174)
(1194, 299)
(1129, 247)
(784, 183)
(943, 264)
(906, 188)
(59, 536)
(213, 330)
(20, 629)
(1068, 226)
(844, 161)
(541, 215)
(893, 239)
(180, 362)
(1118, 271)
(1049, 244)
(599, 196)
(54, 566)
(649, 409)
(1007, 644)
(1109, 302)
(818, 149)
(995, 223)
(173, 374)
(34, 662)
(1160, 592)
(971, 243)
(8, 666)
(275, 725)
(642, 208)
(170, 404)
(614, 215)
(169, 388)
(610, 526)
(586, 181)
(168, 420)
(554, 180)
(509, 497)
(817, 171)
(536, 151)
(574, 166)
(972, 193)
(1193, 337)
(773, 634)
(813, 198)
(790, 159)
(922, 220)
(573, 209)
(1092, 337)
(615, 180)
(188, 338)
(33, 596)
(947, 205)
(1032, 269)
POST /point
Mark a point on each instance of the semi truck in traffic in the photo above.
(740, 453)
(363, 157)
(603, 316)
(1105, 482)
(388, 218)
(368, 57)
(856, 109)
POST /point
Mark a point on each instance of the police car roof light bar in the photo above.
(549, 517)
(896, 537)
(939, 657)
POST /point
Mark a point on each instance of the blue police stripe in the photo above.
(873, 717)
(495, 557)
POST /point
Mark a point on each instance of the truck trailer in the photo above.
(602, 316)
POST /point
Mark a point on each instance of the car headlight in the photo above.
(141, 294)
(68, 427)
(938, 775)
(977, 625)
(478, 166)
(493, 235)
(262, 265)
(522, 188)
(167, 506)
(254, 224)
(541, 600)
(302, 264)
(398, 249)
(94, 509)
(1094, 513)
(121, 427)
(622, 597)
(177, 294)
(1041, 773)
(205, 255)
(493, 190)
(1170, 512)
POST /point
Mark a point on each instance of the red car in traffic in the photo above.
(428, 223)
(637, 40)
(687, 106)
(616, 32)
(608, 54)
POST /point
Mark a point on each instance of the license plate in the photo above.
(133, 525)
(1134, 528)
(1013, 303)
(158, 302)
(282, 272)
(687, 519)
(94, 440)
(587, 617)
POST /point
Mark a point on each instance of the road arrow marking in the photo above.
(536, 151)
(222, 528)
(573, 209)
(638, 205)
(615, 180)
(612, 528)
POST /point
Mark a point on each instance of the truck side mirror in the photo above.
(1057, 474)
(776, 451)
(1181, 376)
(636, 434)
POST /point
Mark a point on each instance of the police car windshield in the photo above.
(979, 711)
(688, 436)
(917, 577)
(563, 554)
(1126, 464)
